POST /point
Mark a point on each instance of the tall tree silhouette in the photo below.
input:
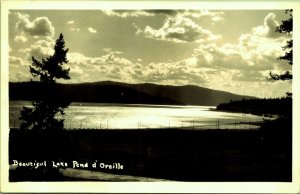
(46, 106)
(285, 27)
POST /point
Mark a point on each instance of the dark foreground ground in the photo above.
(172, 154)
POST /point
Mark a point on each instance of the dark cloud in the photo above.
(169, 12)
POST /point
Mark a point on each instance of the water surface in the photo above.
(133, 116)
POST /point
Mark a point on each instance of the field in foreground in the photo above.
(169, 154)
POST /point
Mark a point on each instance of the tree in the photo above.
(285, 27)
(45, 108)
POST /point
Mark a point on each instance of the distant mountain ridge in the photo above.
(117, 92)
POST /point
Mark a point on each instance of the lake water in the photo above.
(132, 116)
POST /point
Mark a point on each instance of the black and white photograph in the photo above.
(157, 94)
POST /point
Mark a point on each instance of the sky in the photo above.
(228, 50)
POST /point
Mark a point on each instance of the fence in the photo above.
(191, 124)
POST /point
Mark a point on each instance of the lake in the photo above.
(135, 116)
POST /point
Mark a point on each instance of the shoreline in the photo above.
(267, 115)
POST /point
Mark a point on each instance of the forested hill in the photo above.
(115, 92)
(278, 106)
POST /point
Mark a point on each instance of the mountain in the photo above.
(116, 92)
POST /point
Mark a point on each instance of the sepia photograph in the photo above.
(156, 95)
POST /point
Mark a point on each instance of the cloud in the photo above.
(213, 15)
(16, 61)
(248, 76)
(126, 13)
(262, 57)
(223, 67)
(92, 30)
(18, 70)
(20, 38)
(175, 73)
(75, 29)
(268, 28)
(40, 26)
(238, 68)
(188, 72)
(41, 49)
(110, 66)
(242, 68)
(179, 29)
(138, 13)
(70, 22)
(178, 26)
(264, 45)
(257, 50)
(205, 14)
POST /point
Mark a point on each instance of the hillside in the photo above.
(115, 92)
